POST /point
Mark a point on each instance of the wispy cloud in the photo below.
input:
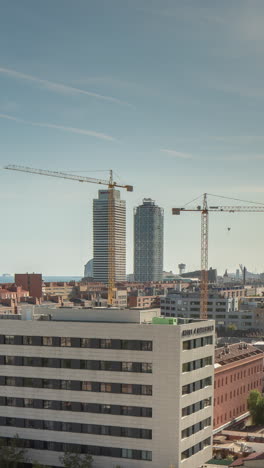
(176, 154)
(58, 87)
(79, 131)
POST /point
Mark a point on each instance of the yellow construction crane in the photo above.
(111, 184)
(204, 210)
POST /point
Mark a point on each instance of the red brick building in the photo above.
(12, 292)
(31, 282)
(238, 370)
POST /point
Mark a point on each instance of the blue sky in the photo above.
(167, 93)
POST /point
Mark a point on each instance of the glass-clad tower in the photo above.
(148, 241)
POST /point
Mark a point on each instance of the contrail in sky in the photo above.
(80, 131)
(59, 87)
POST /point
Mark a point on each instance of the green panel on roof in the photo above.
(164, 321)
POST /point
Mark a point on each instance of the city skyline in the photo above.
(168, 95)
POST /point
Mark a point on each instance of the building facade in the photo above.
(131, 394)
(238, 370)
(148, 241)
(101, 236)
(31, 282)
(224, 310)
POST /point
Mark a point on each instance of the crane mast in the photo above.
(204, 259)
(204, 210)
(111, 184)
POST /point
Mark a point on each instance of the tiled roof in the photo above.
(235, 352)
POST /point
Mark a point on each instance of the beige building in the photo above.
(127, 386)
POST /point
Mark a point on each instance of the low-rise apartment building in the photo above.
(143, 302)
(62, 289)
(238, 370)
(126, 386)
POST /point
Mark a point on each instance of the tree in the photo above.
(73, 459)
(256, 406)
(13, 454)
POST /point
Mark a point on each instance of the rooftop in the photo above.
(235, 352)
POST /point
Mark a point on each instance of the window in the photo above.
(66, 363)
(10, 402)
(87, 386)
(106, 343)
(10, 422)
(48, 425)
(66, 405)
(28, 361)
(86, 343)
(47, 404)
(146, 367)
(146, 389)
(29, 423)
(47, 341)
(65, 384)
(10, 360)
(28, 402)
(127, 453)
(65, 341)
(127, 367)
(106, 409)
(105, 387)
(9, 339)
(10, 381)
(127, 388)
(146, 345)
(27, 340)
(47, 383)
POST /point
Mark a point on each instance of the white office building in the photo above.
(101, 236)
(128, 387)
(224, 310)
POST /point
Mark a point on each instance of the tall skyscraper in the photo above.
(148, 241)
(101, 236)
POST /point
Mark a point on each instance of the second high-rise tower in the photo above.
(148, 241)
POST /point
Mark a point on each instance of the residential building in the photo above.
(31, 282)
(63, 289)
(103, 381)
(143, 302)
(238, 370)
(221, 309)
(101, 236)
(148, 241)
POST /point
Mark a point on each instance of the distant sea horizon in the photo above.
(11, 278)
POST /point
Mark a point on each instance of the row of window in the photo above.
(199, 405)
(238, 375)
(198, 385)
(196, 428)
(237, 391)
(197, 364)
(195, 448)
(133, 345)
(90, 449)
(115, 366)
(115, 431)
(224, 417)
(137, 411)
(197, 342)
(77, 385)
